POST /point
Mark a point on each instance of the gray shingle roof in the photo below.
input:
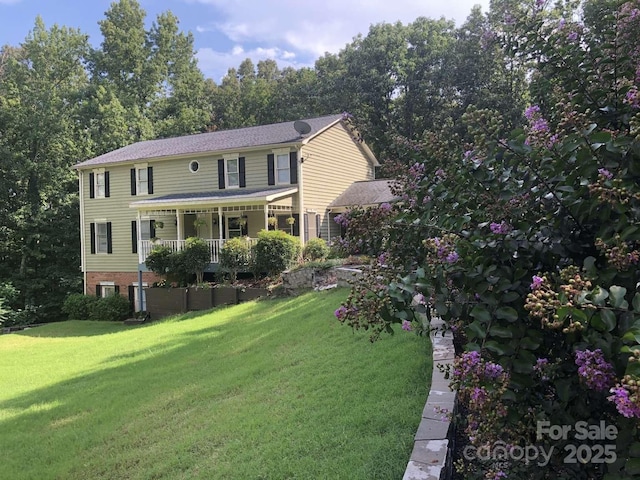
(371, 192)
(222, 196)
(223, 140)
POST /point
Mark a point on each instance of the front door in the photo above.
(189, 225)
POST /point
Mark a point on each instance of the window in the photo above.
(107, 289)
(233, 173)
(98, 184)
(100, 237)
(235, 227)
(283, 171)
(147, 232)
(194, 166)
(141, 180)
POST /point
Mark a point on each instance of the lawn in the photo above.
(275, 389)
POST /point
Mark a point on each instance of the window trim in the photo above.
(97, 173)
(140, 168)
(197, 165)
(228, 229)
(111, 287)
(98, 224)
(226, 171)
(278, 170)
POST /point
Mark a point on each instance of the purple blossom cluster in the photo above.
(536, 282)
(540, 367)
(603, 172)
(342, 220)
(501, 228)
(632, 98)
(406, 325)
(342, 312)
(445, 250)
(623, 402)
(594, 370)
(467, 363)
(385, 207)
(532, 112)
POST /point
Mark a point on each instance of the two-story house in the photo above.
(216, 185)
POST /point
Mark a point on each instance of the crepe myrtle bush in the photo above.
(529, 242)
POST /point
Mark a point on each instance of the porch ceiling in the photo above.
(219, 198)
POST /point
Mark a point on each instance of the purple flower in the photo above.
(440, 173)
(536, 282)
(385, 206)
(419, 299)
(340, 312)
(594, 370)
(382, 258)
(625, 406)
(499, 475)
(531, 112)
(539, 125)
(406, 325)
(605, 173)
(479, 395)
(501, 228)
(453, 257)
(573, 36)
(562, 23)
(492, 370)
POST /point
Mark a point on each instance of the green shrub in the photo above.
(159, 260)
(195, 257)
(78, 306)
(111, 309)
(275, 251)
(235, 256)
(315, 249)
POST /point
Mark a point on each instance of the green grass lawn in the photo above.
(264, 390)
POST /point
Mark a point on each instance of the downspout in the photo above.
(139, 240)
(329, 226)
(301, 197)
(83, 255)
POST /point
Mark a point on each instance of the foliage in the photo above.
(78, 306)
(113, 308)
(530, 243)
(275, 251)
(235, 256)
(365, 230)
(195, 257)
(182, 264)
(315, 249)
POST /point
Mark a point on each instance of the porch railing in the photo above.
(175, 245)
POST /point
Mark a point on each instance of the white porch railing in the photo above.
(175, 245)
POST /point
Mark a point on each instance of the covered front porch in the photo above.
(214, 217)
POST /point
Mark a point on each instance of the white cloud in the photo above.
(214, 64)
(319, 27)
(295, 33)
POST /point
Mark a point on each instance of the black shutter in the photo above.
(271, 169)
(318, 226)
(242, 173)
(244, 229)
(296, 225)
(221, 174)
(223, 226)
(92, 228)
(134, 236)
(107, 189)
(133, 181)
(117, 289)
(293, 167)
(92, 187)
(98, 290)
(152, 228)
(132, 300)
(150, 180)
(109, 244)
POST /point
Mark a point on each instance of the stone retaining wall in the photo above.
(432, 456)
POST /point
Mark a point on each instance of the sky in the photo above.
(293, 33)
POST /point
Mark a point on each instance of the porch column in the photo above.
(139, 239)
(266, 216)
(329, 226)
(178, 226)
(220, 226)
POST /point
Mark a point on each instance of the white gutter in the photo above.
(303, 219)
(83, 259)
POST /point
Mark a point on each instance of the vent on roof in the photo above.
(301, 127)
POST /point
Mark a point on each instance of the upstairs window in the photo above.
(141, 180)
(233, 173)
(99, 184)
(283, 170)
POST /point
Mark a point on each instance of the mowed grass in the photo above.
(264, 390)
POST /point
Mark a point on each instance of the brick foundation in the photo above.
(121, 279)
